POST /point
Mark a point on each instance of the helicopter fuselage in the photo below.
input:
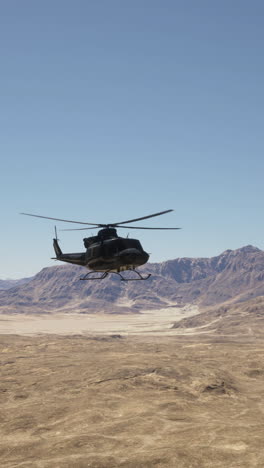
(106, 252)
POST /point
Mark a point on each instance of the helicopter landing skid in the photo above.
(140, 277)
(103, 276)
(106, 273)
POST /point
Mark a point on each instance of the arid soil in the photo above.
(145, 401)
(147, 322)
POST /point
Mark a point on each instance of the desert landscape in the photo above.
(190, 398)
(136, 343)
(138, 375)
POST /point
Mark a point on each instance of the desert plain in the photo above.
(126, 391)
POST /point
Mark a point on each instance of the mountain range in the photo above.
(11, 283)
(233, 276)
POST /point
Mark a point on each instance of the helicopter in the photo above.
(107, 252)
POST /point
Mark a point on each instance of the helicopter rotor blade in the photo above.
(125, 227)
(64, 220)
(81, 229)
(97, 225)
(155, 228)
(139, 219)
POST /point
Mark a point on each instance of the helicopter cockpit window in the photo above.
(132, 244)
(111, 247)
(121, 244)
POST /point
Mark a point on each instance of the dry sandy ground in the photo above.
(152, 321)
(133, 401)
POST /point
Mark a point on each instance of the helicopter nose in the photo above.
(130, 253)
(134, 256)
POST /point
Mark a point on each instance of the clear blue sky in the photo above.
(115, 109)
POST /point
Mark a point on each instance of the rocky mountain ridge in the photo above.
(11, 283)
(233, 276)
(232, 320)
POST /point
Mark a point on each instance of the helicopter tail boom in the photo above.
(75, 258)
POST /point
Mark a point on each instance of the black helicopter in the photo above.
(106, 252)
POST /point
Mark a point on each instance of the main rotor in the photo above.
(120, 224)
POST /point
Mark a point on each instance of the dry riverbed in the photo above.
(146, 322)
